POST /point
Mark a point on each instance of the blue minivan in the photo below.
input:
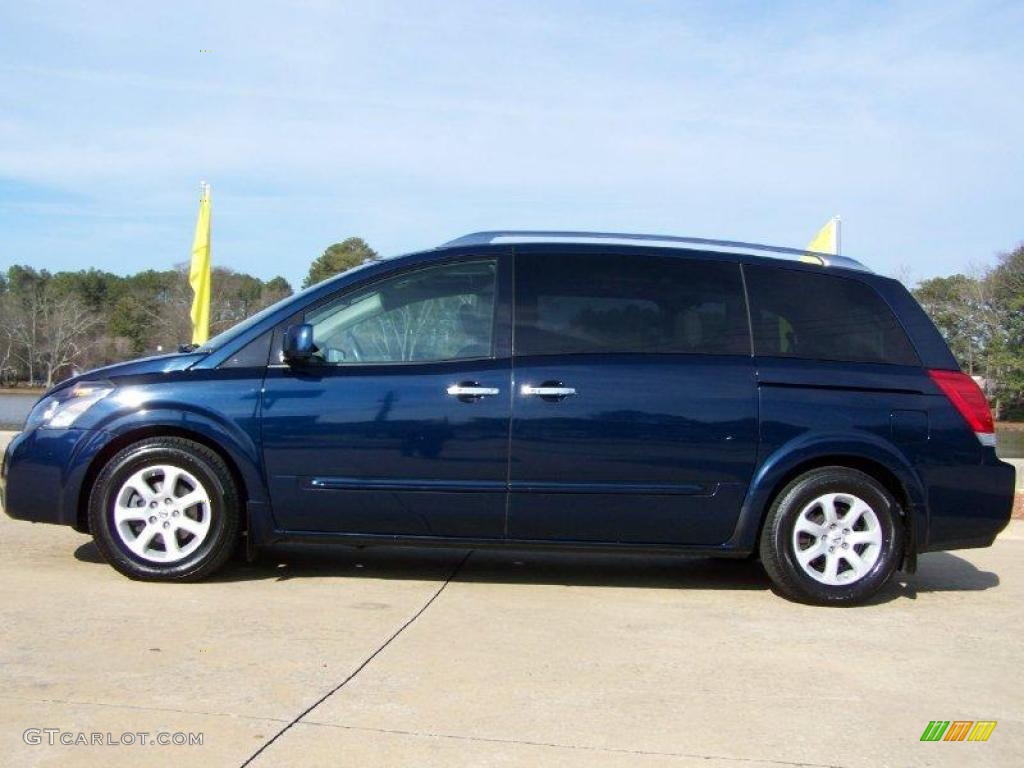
(584, 391)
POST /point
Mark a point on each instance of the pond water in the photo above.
(1010, 444)
(14, 407)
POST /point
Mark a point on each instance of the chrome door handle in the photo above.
(544, 391)
(472, 390)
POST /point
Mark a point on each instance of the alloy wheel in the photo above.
(837, 539)
(162, 513)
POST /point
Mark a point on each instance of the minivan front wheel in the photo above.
(832, 536)
(165, 509)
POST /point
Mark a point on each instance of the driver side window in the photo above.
(427, 315)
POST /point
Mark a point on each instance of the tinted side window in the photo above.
(432, 314)
(608, 303)
(823, 317)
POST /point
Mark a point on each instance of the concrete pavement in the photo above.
(427, 658)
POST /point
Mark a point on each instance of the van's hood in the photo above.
(154, 364)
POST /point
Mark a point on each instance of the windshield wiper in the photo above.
(184, 348)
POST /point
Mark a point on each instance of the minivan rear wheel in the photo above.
(165, 509)
(833, 536)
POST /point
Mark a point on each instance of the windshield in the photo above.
(234, 331)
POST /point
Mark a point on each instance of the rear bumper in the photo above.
(968, 505)
(42, 475)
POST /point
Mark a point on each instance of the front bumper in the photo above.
(3, 475)
(42, 475)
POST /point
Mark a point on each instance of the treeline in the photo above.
(53, 324)
(982, 318)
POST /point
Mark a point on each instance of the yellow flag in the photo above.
(827, 239)
(199, 271)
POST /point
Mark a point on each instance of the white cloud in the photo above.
(399, 122)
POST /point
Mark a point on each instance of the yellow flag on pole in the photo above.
(199, 271)
(827, 239)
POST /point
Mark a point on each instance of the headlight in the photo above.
(60, 410)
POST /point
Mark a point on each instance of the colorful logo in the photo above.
(958, 730)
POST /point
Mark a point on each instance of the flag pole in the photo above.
(839, 236)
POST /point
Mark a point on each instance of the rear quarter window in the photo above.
(593, 303)
(823, 317)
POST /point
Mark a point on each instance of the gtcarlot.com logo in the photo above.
(57, 736)
(958, 730)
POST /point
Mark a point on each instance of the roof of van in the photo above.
(495, 237)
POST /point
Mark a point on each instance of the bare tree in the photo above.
(46, 334)
(67, 333)
(7, 371)
(904, 273)
(21, 329)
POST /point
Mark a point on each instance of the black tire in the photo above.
(205, 466)
(778, 548)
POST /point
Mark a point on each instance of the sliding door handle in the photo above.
(470, 390)
(549, 389)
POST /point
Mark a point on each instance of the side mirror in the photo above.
(298, 347)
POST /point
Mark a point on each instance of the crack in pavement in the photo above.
(581, 747)
(448, 579)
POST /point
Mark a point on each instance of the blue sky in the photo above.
(410, 123)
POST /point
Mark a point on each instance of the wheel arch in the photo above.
(123, 440)
(877, 460)
(870, 467)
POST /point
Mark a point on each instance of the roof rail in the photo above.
(723, 246)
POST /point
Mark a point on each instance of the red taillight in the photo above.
(966, 396)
